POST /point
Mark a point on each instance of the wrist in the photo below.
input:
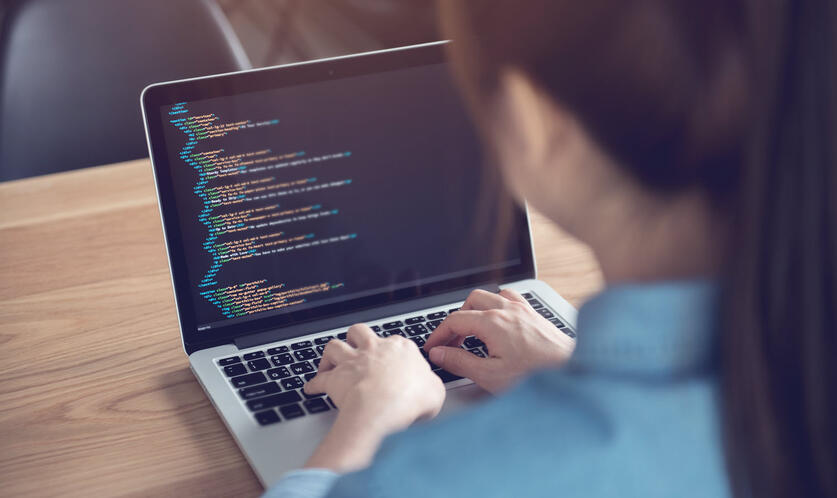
(350, 444)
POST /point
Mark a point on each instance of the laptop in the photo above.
(301, 199)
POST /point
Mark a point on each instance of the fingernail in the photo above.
(437, 355)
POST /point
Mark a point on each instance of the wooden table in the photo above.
(96, 398)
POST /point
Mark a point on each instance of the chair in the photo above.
(71, 73)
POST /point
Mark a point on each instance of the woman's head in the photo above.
(663, 87)
(718, 115)
(634, 110)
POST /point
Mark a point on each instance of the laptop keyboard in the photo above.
(269, 381)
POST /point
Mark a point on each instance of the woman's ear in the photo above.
(549, 159)
(531, 127)
(527, 119)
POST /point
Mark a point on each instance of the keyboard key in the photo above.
(229, 361)
(453, 310)
(278, 373)
(301, 345)
(292, 383)
(477, 352)
(292, 411)
(535, 304)
(432, 325)
(568, 332)
(259, 364)
(323, 340)
(414, 320)
(545, 313)
(419, 340)
(341, 336)
(275, 400)
(282, 359)
(394, 332)
(527, 295)
(310, 396)
(558, 323)
(376, 328)
(309, 376)
(392, 325)
(316, 362)
(235, 369)
(472, 342)
(305, 354)
(415, 329)
(254, 355)
(320, 350)
(446, 376)
(437, 315)
(278, 350)
(331, 402)
(267, 418)
(259, 391)
(249, 379)
(301, 368)
(316, 405)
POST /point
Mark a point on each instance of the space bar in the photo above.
(446, 376)
(275, 400)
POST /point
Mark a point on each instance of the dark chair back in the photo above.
(71, 73)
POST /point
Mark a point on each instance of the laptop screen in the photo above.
(303, 196)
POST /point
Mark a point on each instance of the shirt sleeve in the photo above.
(305, 483)
(558, 434)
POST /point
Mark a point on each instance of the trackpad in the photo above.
(463, 397)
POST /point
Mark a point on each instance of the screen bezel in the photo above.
(163, 94)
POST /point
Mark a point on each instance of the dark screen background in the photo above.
(413, 202)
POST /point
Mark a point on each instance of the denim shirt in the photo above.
(635, 412)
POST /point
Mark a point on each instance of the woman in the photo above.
(691, 145)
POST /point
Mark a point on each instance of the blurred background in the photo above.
(71, 71)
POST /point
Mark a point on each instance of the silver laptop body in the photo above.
(274, 424)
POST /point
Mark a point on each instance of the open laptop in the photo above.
(301, 199)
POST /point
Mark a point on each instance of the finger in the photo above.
(459, 362)
(479, 299)
(360, 336)
(458, 325)
(318, 384)
(335, 352)
(513, 295)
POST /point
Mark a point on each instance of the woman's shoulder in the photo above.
(561, 432)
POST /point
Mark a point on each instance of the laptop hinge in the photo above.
(346, 320)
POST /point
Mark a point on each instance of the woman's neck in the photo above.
(648, 239)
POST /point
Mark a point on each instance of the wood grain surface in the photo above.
(96, 398)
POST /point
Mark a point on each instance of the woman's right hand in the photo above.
(518, 340)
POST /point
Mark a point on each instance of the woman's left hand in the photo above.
(380, 386)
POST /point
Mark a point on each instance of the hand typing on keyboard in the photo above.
(380, 385)
(517, 338)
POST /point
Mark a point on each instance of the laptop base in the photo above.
(272, 450)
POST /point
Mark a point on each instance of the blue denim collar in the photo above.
(649, 329)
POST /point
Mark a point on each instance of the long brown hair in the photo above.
(737, 98)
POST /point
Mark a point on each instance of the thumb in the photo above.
(317, 385)
(458, 361)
